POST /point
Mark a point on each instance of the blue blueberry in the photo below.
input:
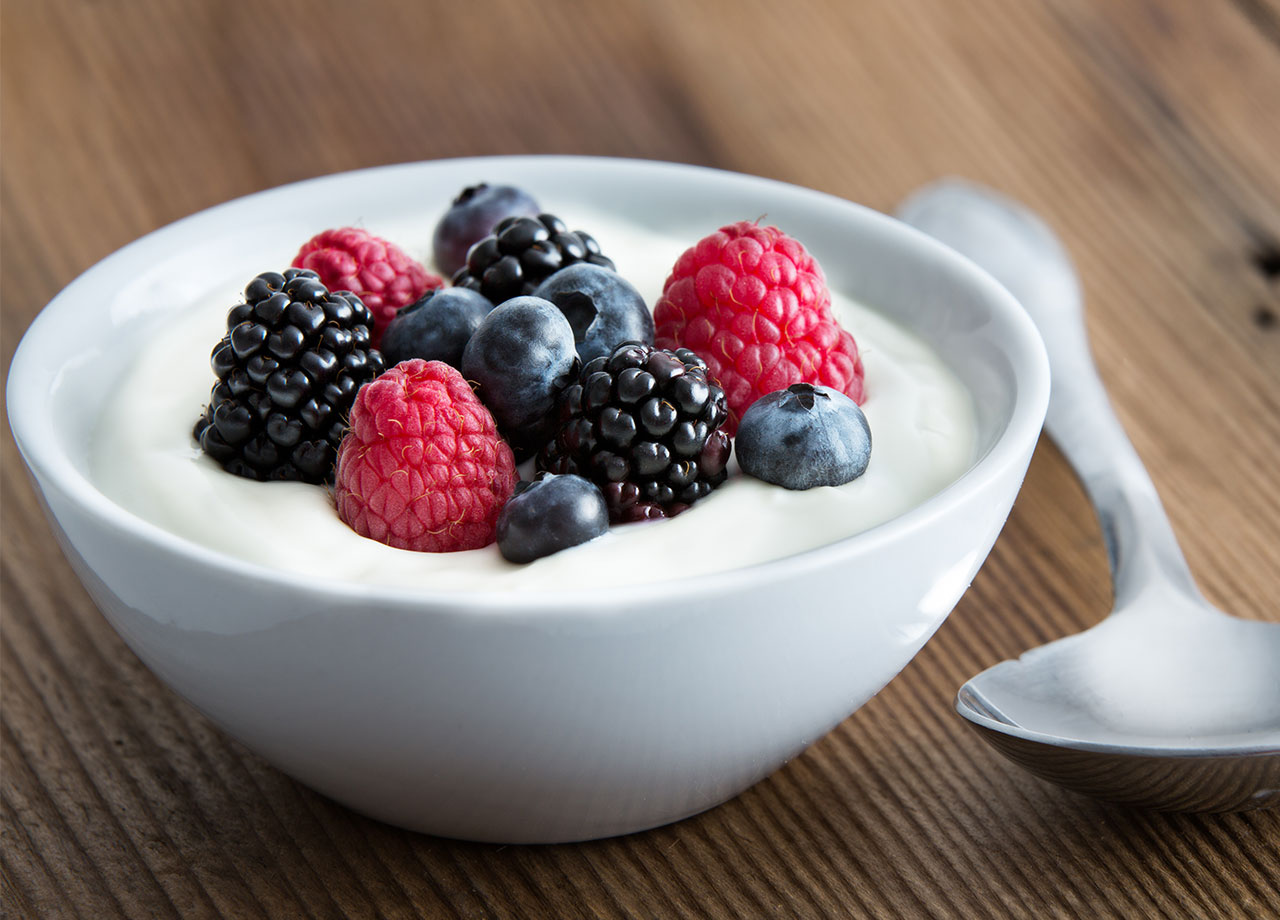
(602, 307)
(519, 360)
(472, 217)
(550, 514)
(804, 436)
(436, 327)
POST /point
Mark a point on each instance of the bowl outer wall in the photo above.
(536, 729)
(553, 718)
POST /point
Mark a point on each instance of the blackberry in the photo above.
(288, 370)
(521, 253)
(472, 216)
(644, 424)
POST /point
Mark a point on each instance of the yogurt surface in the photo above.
(921, 418)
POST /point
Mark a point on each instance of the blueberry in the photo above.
(550, 514)
(804, 436)
(519, 360)
(436, 327)
(472, 217)
(601, 306)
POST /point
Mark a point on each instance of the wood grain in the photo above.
(1146, 132)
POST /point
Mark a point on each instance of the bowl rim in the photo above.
(39, 445)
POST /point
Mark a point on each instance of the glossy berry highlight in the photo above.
(288, 370)
(645, 425)
(522, 252)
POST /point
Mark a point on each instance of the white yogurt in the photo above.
(921, 418)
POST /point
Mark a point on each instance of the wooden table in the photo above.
(1148, 134)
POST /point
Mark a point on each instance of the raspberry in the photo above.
(422, 467)
(753, 304)
(380, 273)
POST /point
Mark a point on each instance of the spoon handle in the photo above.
(1141, 545)
(1024, 255)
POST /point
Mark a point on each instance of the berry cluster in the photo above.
(538, 349)
(522, 252)
(288, 369)
(378, 272)
(645, 425)
(755, 305)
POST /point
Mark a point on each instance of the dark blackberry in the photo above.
(644, 424)
(472, 216)
(288, 370)
(521, 253)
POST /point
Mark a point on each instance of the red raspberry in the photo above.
(753, 304)
(378, 272)
(422, 466)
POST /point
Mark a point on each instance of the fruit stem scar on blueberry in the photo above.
(581, 312)
(806, 395)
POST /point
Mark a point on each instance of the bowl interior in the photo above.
(68, 362)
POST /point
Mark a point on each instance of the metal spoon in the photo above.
(1168, 703)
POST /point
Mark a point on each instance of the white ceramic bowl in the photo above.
(541, 717)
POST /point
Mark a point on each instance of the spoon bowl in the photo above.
(1168, 703)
